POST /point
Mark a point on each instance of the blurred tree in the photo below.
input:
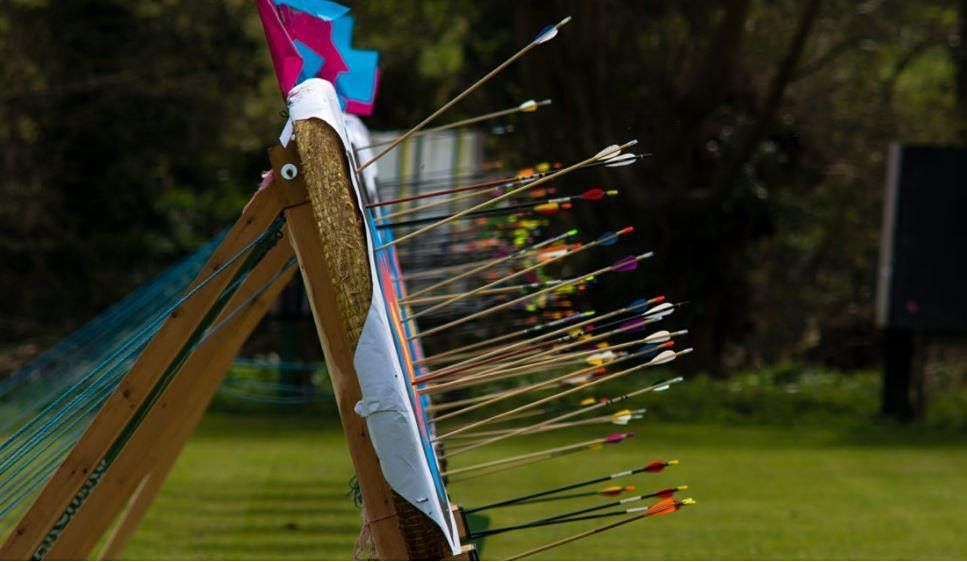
(769, 122)
(131, 130)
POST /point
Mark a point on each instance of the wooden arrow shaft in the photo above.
(502, 197)
(525, 271)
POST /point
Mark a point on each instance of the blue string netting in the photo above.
(46, 405)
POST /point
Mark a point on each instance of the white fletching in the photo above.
(529, 105)
(551, 33)
(661, 388)
(622, 159)
(666, 356)
(659, 337)
(662, 309)
(608, 153)
(603, 356)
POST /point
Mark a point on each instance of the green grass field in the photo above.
(263, 487)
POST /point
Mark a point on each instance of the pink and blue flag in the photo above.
(313, 39)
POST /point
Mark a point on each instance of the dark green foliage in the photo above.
(131, 130)
(127, 139)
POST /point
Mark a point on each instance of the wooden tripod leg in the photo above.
(164, 431)
(132, 515)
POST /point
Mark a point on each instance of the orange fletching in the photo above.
(664, 506)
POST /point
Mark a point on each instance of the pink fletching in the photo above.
(617, 437)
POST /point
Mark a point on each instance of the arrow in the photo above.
(618, 418)
(623, 265)
(523, 332)
(495, 262)
(665, 493)
(622, 417)
(660, 386)
(612, 439)
(544, 207)
(635, 306)
(488, 291)
(496, 187)
(547, 34)
(529, 106)
(500, 372)
(577, 337)
(493, 185)
(660, 359)
(502, 182)
(609, 152)
(472, 353)
(610, 491)
(653, 467)
(605, 240)
(660, 508)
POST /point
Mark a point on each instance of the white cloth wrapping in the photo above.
(385, 399)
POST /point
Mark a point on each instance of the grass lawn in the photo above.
(260, 487)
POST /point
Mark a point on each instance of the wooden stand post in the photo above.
(329, 240)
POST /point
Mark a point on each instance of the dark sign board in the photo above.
(922, 281)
